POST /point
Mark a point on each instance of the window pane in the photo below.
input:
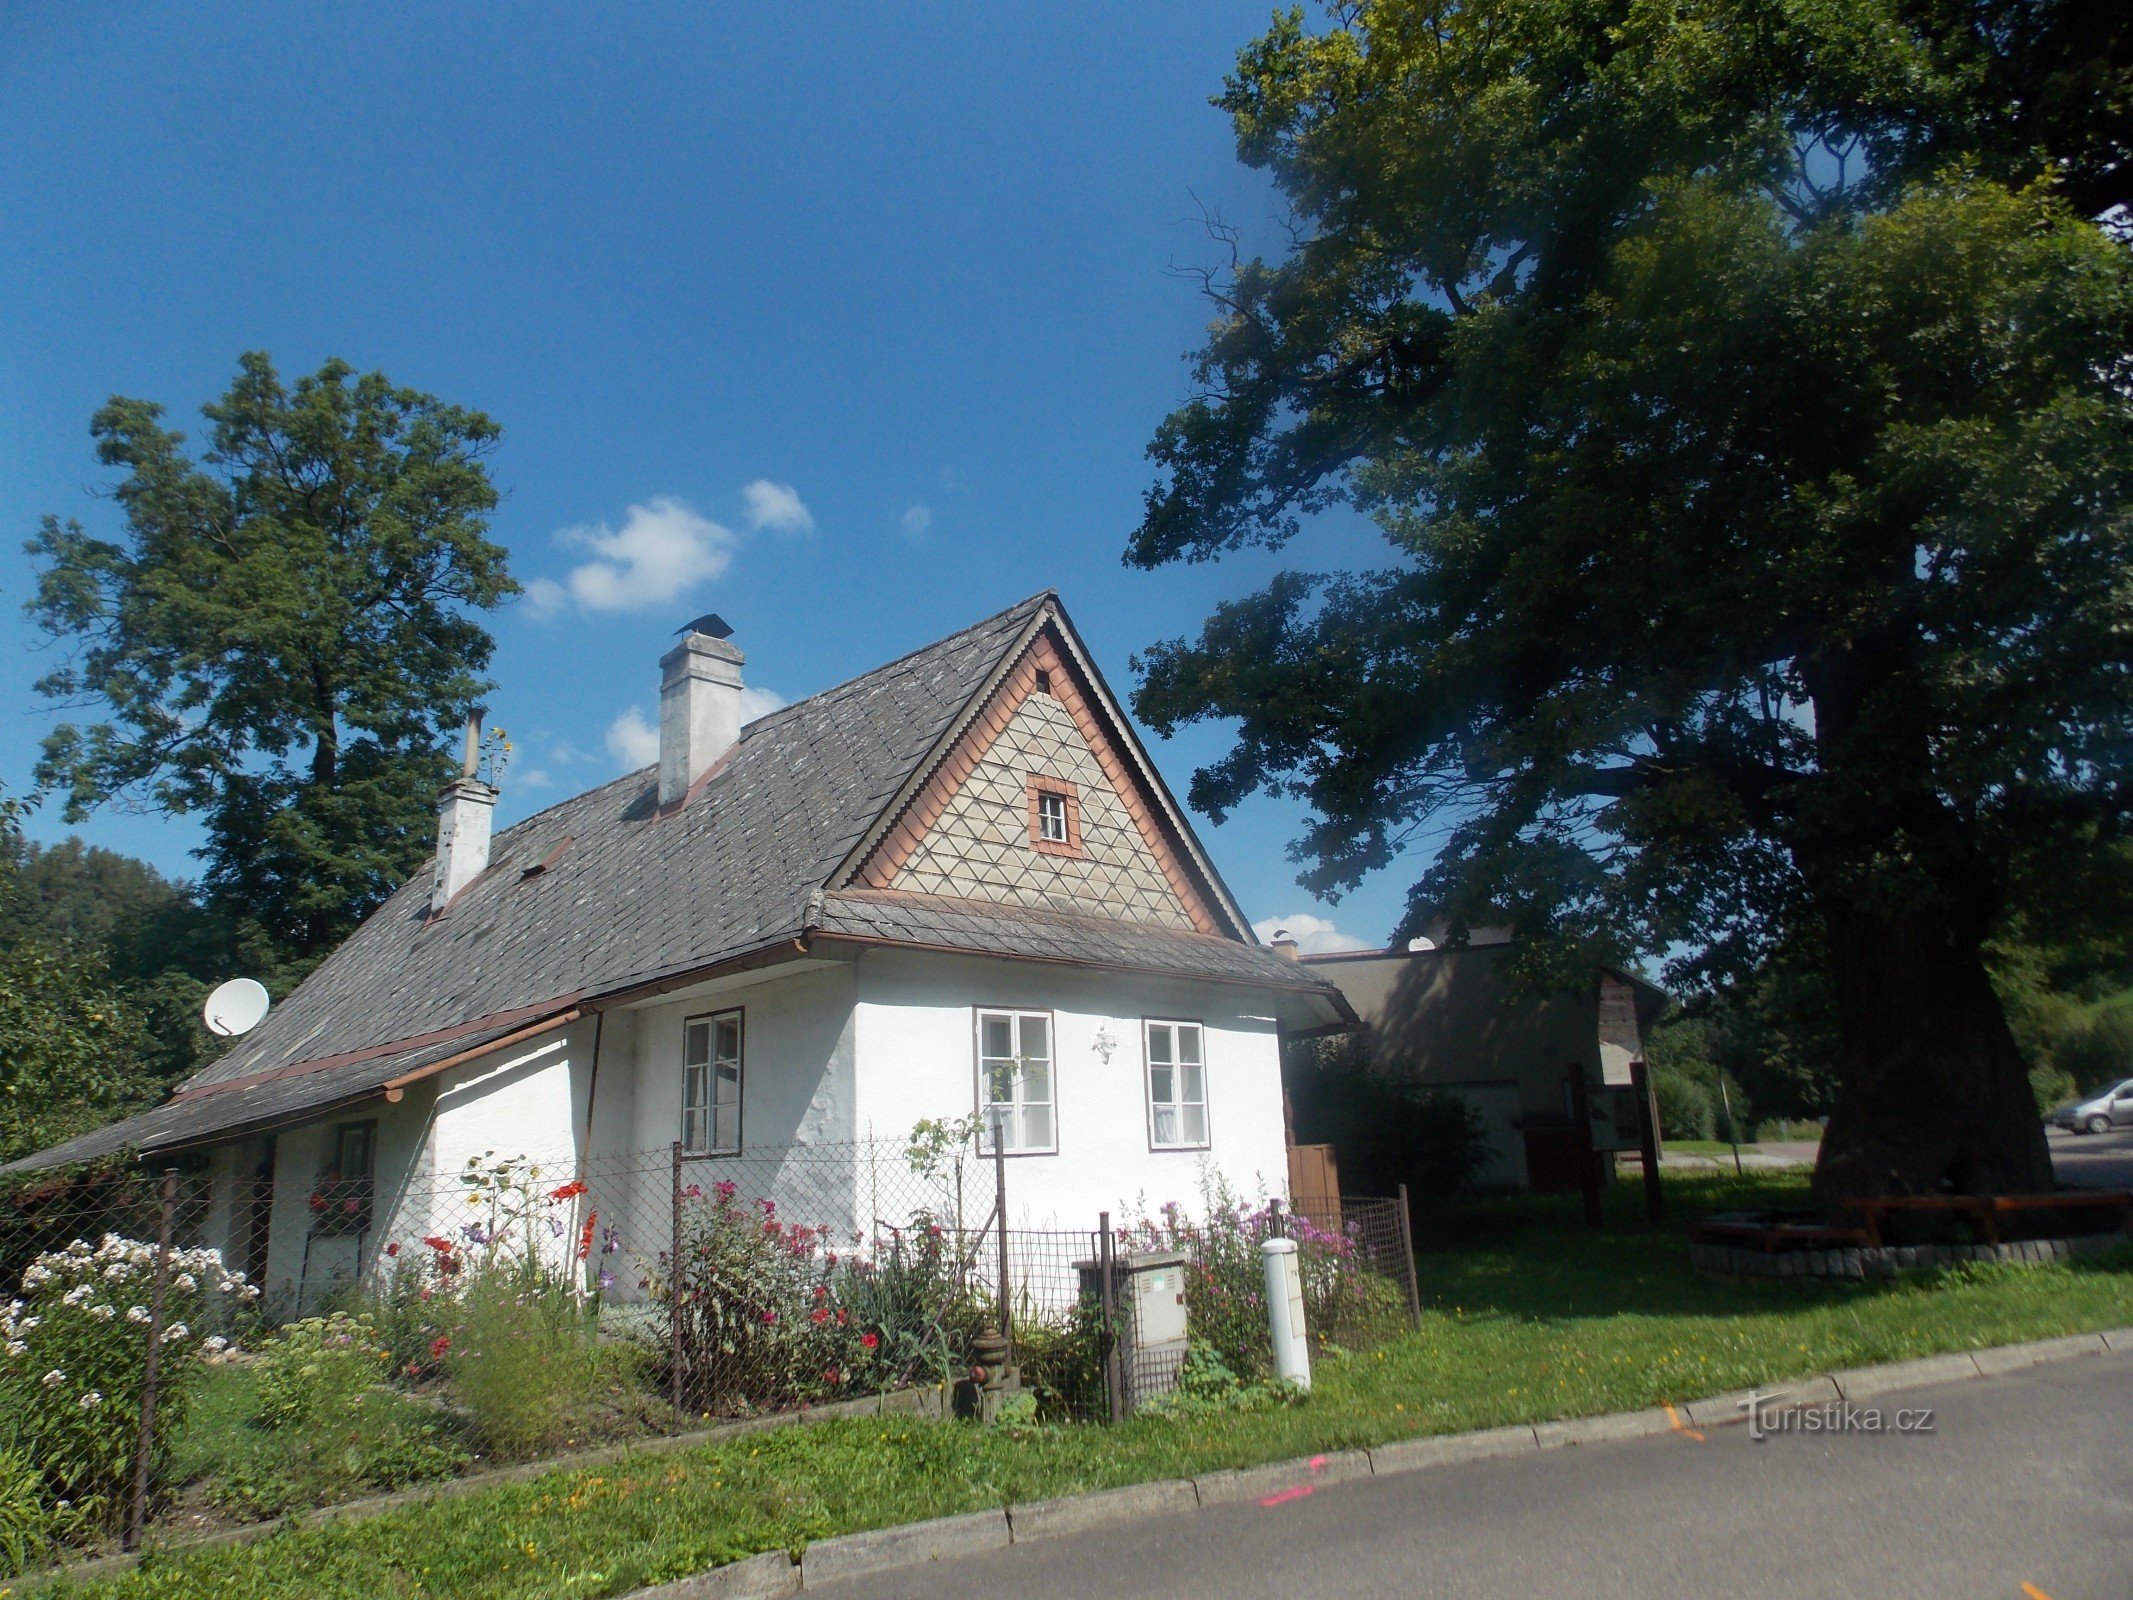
(1194, 1084)
(696, 1043)
(729, 1083)
(1195, 1124)
(1159, 1085)
(1166, 1124)
(996, 1035)
(1159, 1042)
(728, 1128)
(1037, 1037)
(1188, 1043)
(1036, 1128)
(1037, 1083)
(729, 1038)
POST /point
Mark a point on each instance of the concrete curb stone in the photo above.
(855, 1555)
(1864, 1382)
(1599, 1430)
(2119, 1338)
(1721, 1410)
(1051, 1519)
(1253, 1483)
(1448, 1449)
(2014, 1357)
(765, 1577)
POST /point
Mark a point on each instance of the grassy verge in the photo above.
(1527, 1317)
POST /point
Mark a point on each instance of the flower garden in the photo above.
(532, 1326)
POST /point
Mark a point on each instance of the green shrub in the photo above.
(2099, 1051)
(28, 1526)
(1686, 1108)
(526, 1359)
(2051, 1088)
(315, 1373)
(73, 1356)
(1206, 1384)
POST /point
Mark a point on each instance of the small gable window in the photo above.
(1015, 1082)
(1177, 1086)
(711, 1084)
(1054, 816)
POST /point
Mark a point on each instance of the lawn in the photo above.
(1527, 1316)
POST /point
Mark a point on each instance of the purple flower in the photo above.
(606, 1279)
(610, 1240)
(475, 1233)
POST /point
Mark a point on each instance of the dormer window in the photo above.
(1054, 816)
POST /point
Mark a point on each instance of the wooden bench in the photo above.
(1984, 1211)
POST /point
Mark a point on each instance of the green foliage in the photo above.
(527, 1360)
(2052, 1088)
(1781, 1130)
(1741, 418)
(29, 1525)
(282, 637)
(1206, 1386)
(73, 1361)
(314, 1374)
(71, 1049)
(1685, 1108)
(1384, 1131)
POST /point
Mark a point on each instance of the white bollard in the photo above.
(1285, 1311)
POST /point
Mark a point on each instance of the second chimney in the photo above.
(699, 705)
(464, 811)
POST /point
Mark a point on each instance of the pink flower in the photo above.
(770, 1316)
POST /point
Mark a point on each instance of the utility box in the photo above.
(1148, 1290)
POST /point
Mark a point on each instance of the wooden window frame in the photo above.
(1206, 1101)
(978, 1014)
(1040, 785)
(711, 1020)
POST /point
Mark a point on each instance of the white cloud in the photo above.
(759, 703)
(916, 520)
(1314, 936)
(633, 741)
(536, 779)
(633, 738)
(662, 548)
(777, 506)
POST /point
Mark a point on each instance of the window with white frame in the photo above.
(1015, 1081)
(1052, 818)
(711, 1084)
(1177, 1086)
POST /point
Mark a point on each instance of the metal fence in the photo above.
(742, 1285)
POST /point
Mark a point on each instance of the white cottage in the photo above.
(956, 884)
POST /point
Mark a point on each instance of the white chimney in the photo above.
(699, 705)
(464, 812)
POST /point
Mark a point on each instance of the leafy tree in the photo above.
(282, 638)
(1746, 415)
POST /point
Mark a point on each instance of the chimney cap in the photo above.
(710, 624)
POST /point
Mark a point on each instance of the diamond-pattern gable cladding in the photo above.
(979, 847)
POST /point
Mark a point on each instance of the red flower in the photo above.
(830, 1375)
(318, 1202)
(819, 1316)
(843, 1316)
(585, 1236)
(869, 1340)
(569, 1191)
(442, 1246)
(393, 1249)
(770, 1316)
(439, 1345)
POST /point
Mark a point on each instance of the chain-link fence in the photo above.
(696, 1289)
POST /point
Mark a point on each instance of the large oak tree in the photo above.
(1741, 387)
(283, 637)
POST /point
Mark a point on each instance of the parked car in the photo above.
(2108, 1108)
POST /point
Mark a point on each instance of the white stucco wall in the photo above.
(914, 1030)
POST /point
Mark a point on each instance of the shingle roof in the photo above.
(630, 895)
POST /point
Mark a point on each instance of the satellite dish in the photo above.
(236, 1007)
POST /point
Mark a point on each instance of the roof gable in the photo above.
(964, 828)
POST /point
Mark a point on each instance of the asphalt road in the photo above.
(2025, 1480)
(2093, 1160)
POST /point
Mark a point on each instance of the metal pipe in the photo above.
(144, 1451)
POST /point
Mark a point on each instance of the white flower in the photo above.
(185, 1283)
(102, 1313)
(117, 1272)
(77, 1295)
(91, 1400)
(54, 1378)
(215, 1345)
(175, 1332)
(136, 1313)
(15, 1347)
(78, 1249)
(36, 1278)
(29, 1324)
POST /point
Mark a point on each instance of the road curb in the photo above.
(913, 1544)
(1053, 1519)
(765, 1577)
(1284, 1479)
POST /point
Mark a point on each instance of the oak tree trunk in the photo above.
(1934, 1095)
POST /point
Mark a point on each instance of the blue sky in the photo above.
(850, 323)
